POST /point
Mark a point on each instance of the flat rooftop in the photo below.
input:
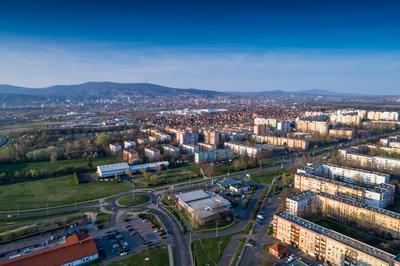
(362, 205)
(302, 195)
(377, 188)
(193, 196)
(113, 167)
(372, 251)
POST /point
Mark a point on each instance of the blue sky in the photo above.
(348, 46)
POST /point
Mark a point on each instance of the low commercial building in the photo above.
(172, 151)
(112, 170)
(203, 206)
(348, 174)
(381, 195)
(77, 249)
(152, 154)
(292, 143)
(326, 245)
(342, 209)
(278, 250)
(149, 166)
(235, 186)
(213, 156)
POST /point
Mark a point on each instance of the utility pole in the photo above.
(216, 228)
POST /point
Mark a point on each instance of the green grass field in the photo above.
(266, 178)
(54, 191)
(52, 166)
(208, 251)
(137, 200)
(156, 257)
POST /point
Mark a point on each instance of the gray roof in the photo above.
(193, 195)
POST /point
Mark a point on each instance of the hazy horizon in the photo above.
(339, 46)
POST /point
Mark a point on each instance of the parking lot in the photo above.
(136, 233)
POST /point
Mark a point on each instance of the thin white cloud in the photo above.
(35, 64)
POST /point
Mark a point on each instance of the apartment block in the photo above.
(341, 133)
(381, 195)
(326, 245)
(310, 126)
(189, 148)
(363, 160)
(292, 143)
(131, 156)
(170, 150)
(342, 209)
(115, 148)
(244, 150)
(347, 174)
(129, 145)
(213, 156)
(385, 116)
(186, 137)
(152, 154)
(212, 137)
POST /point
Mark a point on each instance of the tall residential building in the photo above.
(213, 156)
(212, 137)
(186, 137)
(310, 126)
(347, 174)
(170, 150)
(367, 217)
(244, 150)
(152, 154)
(327, 245)
(381, 195)
(292, 143)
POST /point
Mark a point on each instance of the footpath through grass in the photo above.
(53, 192)
(155, 257)
(130, 201)
(209, 251)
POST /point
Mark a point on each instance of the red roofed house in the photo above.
(77, 249)
(278, 250)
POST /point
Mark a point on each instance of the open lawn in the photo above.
(53, 166)
(209, 251)
(170, 176)
(155, 257)
(266, 178)
(138, 199)
(54, 191)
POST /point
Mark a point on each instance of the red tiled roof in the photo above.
(76, 246)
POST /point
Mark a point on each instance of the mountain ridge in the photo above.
(107, 88)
